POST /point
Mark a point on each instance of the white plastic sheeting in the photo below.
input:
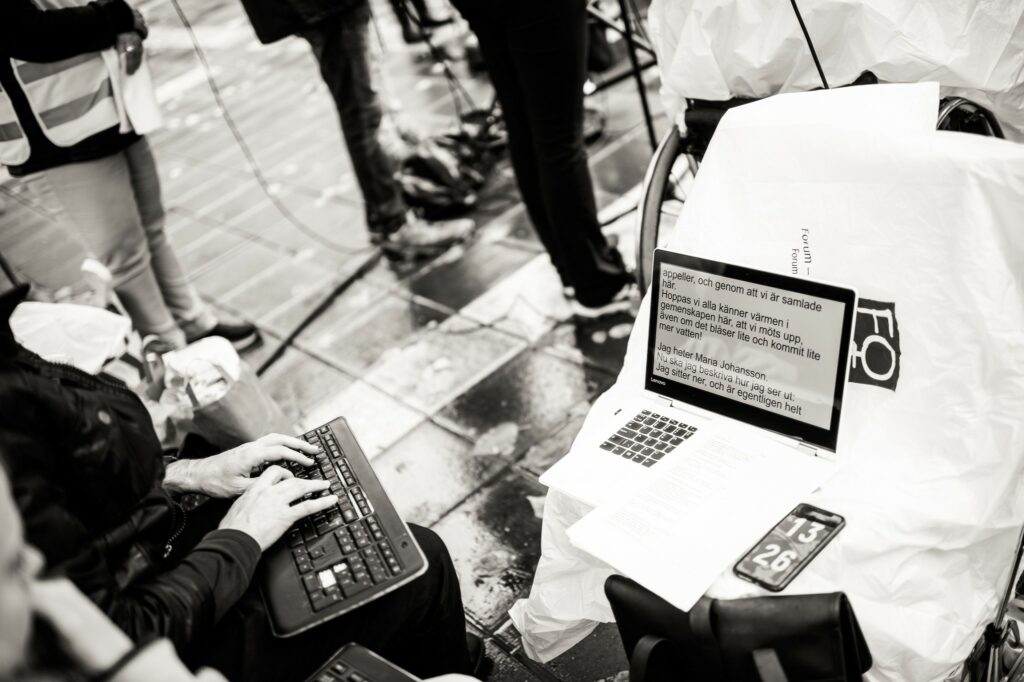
(719, 49)
(926, 226)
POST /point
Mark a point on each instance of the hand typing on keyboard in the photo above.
(228, 474)
(274, 502)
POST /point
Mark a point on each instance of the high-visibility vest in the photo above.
(71, 100)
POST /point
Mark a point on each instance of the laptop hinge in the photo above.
(808, 449)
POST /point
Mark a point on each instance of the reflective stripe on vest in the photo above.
(14, 147)
(72, 99)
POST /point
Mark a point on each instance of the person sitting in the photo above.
(96, 498)
(50, 631)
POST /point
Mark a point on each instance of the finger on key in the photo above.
(279, 452)
(296, 488)
(304, 509)
(293, 443)
(272, 476)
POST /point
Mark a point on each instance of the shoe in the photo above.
(242, 335)
(417, 237)
(480, 664)
(620, 303)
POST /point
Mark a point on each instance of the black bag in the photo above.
(442, 176)
(800, 638)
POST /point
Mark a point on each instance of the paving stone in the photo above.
(299, 383)
(528, 303)
(598, 657)
(238, 268)
(378, 420)
(543, 454)
(507, 668)
(356, 343)
(310, 286)
(455, 284)
(202, 253)
(530, 396)
(268, 295)
(494, 540)
(600, 342)
(441, 363)
(430, 471)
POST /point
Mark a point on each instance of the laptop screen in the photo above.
(759, 347)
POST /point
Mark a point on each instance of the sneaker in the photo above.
(242, 335)
(418, 237)
(622, 302)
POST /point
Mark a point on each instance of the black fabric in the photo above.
(273, 20)
(36, 35)
(816, 637)
(86, 471)
(535, 51)
(420, 627)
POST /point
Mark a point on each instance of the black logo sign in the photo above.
(876, 345)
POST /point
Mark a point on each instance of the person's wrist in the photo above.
(182, 477)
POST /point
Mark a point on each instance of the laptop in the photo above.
(730, 349)
(335, 561)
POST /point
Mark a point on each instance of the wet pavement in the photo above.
(463, 377)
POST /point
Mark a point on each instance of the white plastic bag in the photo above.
(719, 49)
(228, 404)
(80, 335)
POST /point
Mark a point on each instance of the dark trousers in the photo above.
(535, 51)
(420, 627)
(341, 46)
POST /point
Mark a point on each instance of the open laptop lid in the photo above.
(765, 349)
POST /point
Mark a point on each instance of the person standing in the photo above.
(58, 117)
(535, 52)
(339, 33)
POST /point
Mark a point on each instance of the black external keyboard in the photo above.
(353, 663)
(337, 559)
(648, 437)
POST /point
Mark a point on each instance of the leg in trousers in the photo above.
(420, 627)
(101, 207)
(342, 47)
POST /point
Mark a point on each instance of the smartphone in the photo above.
(780, 555)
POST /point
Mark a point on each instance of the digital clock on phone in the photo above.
(780, 555)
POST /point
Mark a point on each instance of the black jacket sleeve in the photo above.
(181, 603)
(37, 35)
(184, 603)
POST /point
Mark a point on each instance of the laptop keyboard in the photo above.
(344, 550)
(648, 437)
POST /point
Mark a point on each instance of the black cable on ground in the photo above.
(250, 159)
(369, 261)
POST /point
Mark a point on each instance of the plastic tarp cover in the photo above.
(926, 226)
(720, 49)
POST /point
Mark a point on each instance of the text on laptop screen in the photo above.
(763, 346)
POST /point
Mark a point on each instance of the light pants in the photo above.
(114, 204)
